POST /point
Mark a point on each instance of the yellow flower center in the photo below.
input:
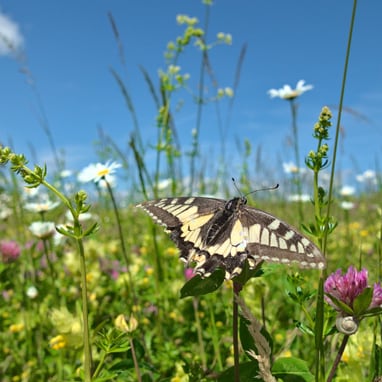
(103, 172)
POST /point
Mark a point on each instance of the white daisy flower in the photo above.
(345, 205)
(290, 168)
(347, 191)
(42, 206)
(43, 230)
(98, 172)
(368, 176)
(286, 92)
(299, 198)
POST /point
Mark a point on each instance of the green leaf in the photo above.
(363, 301)
(304, 328)
(197, 286)
(376, 364)
(292, 370)
(92, 229)
(372, 312)
(248, 372)
(345, 308)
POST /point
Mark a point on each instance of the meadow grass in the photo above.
(104, 298)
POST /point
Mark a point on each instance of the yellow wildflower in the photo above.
(58, 342)
(16, 328)
(121, 323)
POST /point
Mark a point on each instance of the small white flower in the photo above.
(345, 205)
(290, 168)
(82, 217)
(286, 92)
(32, 292)
(368, 176)
(29, 192)
(164, 184)
(347, 191)
(5, 212)
(97, 172)
(39, 207)
(42, 230)
(299, 198)
(66, 173)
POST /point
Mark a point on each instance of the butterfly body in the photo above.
(216, 233)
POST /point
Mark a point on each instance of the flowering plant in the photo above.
(350, 293)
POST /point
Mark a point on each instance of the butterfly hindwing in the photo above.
(271, 239)
(216, 233)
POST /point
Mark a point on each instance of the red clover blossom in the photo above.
(353, 298)
(351, 295)
(9, 250)
(347, 287)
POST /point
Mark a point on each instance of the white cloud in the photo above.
(11, 39)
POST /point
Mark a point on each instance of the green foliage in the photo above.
(292, 370)
(197, 286)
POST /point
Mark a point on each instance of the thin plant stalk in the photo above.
(85, 315)
(135, 360)
(235, 330)
(296, 148)
(340, 107)
(48, 261)
(215, 338)
(199, 109)
(338, 358)
(199, 330)
(121, 238)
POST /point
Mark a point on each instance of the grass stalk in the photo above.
(199, 331)
(296, 149)
(235, 330)
(320, 356)
(122, 241)
(88, 362)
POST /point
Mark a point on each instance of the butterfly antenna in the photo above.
(252, 192)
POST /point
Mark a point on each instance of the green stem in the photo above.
(318, 331)
(195, 303)
(215, 338)
(100, 364)
(235, 330)
(122, 240)
(136, 366)
(84, 294)
(307, 315)
(296, 148)
(338, 358)
(50, 265)
(338, 124)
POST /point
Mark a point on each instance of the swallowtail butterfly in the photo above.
(216, 233)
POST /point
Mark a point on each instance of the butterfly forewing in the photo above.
(214, 233)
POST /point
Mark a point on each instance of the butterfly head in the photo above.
(234, 204)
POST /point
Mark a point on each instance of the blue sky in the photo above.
(69, 49)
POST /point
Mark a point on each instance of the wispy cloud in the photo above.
(11, 39)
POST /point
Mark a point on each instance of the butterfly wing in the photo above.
(214, 233)
(201, 230)
(271, 239)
